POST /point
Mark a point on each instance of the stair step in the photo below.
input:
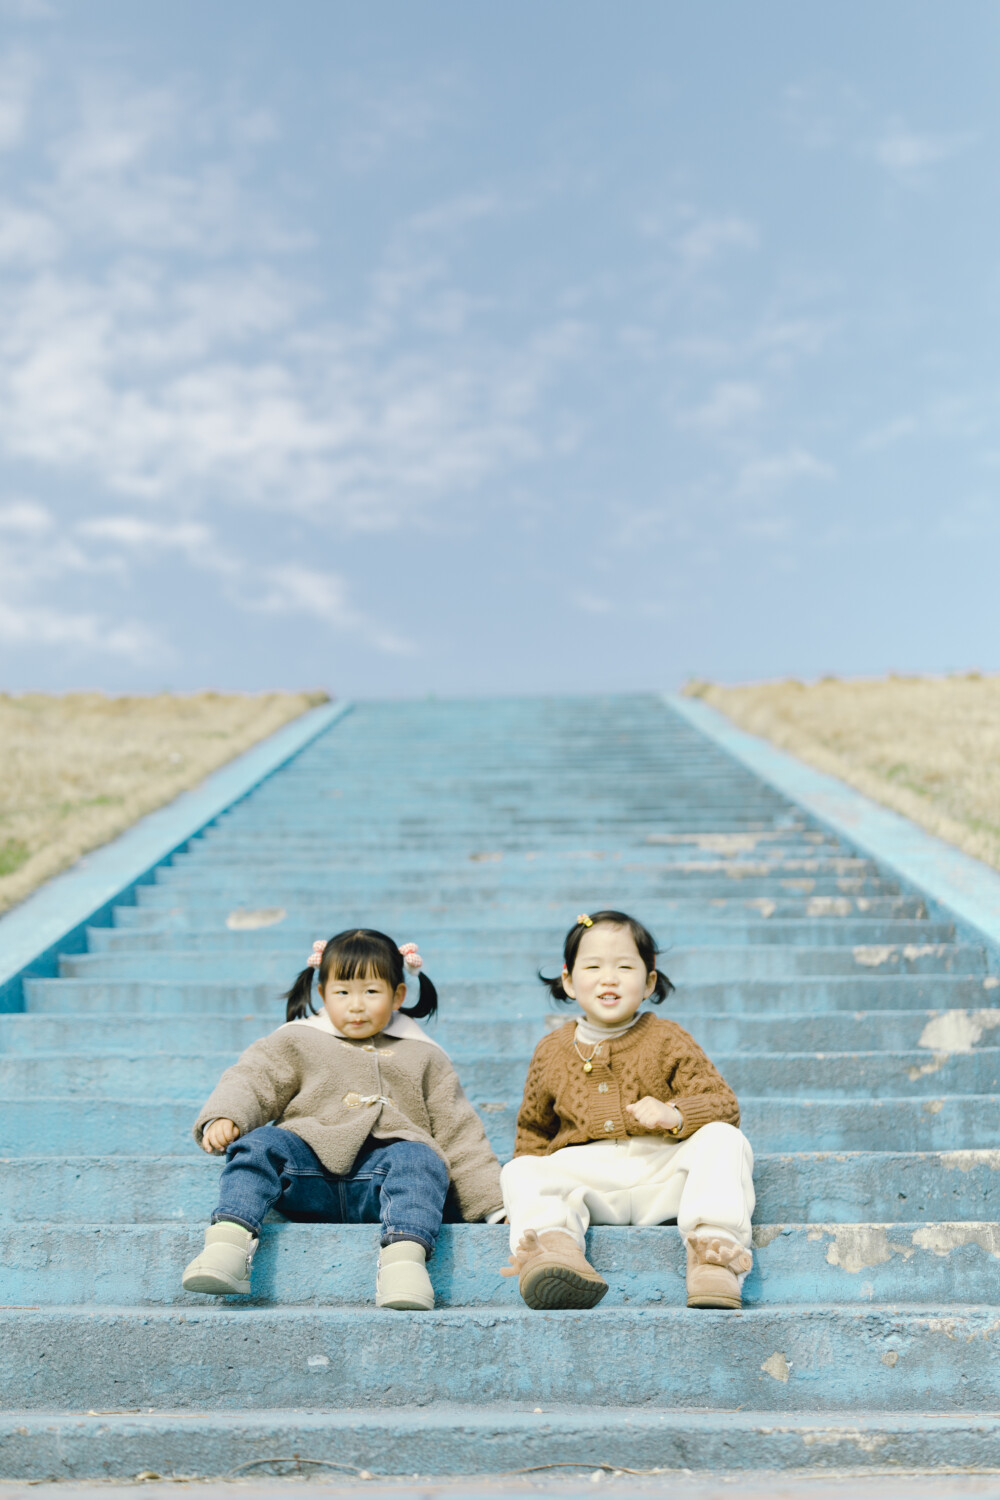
(211, 917)
(327, 1265)
(313, 1358)
(43, 1125)
(508, 1438)
(540, 942)
(892, 1031)
(845, 1187)
(495, 1076)
(719, 880)
(684, 965)
(818, 994)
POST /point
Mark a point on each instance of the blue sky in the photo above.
(463, 347)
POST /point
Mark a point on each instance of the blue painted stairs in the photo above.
(857, 1032)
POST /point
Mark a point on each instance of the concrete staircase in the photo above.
(856, 1031)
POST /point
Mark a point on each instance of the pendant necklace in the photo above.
(588, 1066)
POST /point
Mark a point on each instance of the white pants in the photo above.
(705, 1183)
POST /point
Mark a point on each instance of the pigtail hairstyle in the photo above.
(357, 954)
(642, 938)
(299, 998)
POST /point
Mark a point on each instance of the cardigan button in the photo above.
(609, 1124)
(602, 1088)
(369, 1047)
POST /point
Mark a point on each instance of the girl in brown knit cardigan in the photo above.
(624, 1121)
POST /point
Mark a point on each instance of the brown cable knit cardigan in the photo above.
(564, 1106)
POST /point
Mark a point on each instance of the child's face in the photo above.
(609, 980)
(361, 1007)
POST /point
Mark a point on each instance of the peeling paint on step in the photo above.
(890, 1359)
(829, 906)
(967, 1160)
(939, 1060)
(942, 1239)
(726, 844)
(764, 906)
(991, 982)
(958, 1030)
(864, 1442)
(777, 1366)
(248, 919)
(858, 1247)
(933, 1106)
(766, 1234)
(874, 955)
(924, 950)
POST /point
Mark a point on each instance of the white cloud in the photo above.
(26, 237)
(907, 154)
(705, 239)
(889, 433)
(16, 80)
(378, 123)
(294, 589)
(591, 603)
(732, 403)
(141, 534)
(81, 633)
(26, 518)
(778, 471)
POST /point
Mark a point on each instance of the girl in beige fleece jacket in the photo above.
(352, 1115)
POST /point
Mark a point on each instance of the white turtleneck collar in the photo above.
(589, 1035)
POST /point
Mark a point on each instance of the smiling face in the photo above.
(363, 1006)
(609, 980)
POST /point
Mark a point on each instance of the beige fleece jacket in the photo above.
(335, 1093)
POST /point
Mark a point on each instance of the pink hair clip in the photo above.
(411, 958)
(316, 956)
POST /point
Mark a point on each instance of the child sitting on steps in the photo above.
(370, 1124)
(624, 1121)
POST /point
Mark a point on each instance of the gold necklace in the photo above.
(588, 1066)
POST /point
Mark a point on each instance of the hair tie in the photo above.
(583, 920)
(316, 956)
(411, 958)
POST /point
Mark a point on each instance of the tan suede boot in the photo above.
(223, 1267)
(553, 1271)
(713, 1266)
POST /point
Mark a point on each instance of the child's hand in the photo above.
(654, 1114)
(217, 1136)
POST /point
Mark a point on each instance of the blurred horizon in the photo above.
(464, 349)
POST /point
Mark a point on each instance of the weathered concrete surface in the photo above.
(334, 1266)
(832, 1456)
(827, 1359)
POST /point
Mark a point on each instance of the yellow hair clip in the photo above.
(583, 920)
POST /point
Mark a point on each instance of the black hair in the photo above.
(357, 954)
(642, 938)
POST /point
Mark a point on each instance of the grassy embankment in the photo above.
(77, 770)
(927, 747)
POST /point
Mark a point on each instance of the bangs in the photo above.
(362, 954)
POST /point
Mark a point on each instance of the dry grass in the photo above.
(927, 747)
(76, 770)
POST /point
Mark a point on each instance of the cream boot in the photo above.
(223, 1267)
(402, 1281)
(714, 1265)
(553, 1271)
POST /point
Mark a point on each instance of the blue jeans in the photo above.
(401, 1185)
